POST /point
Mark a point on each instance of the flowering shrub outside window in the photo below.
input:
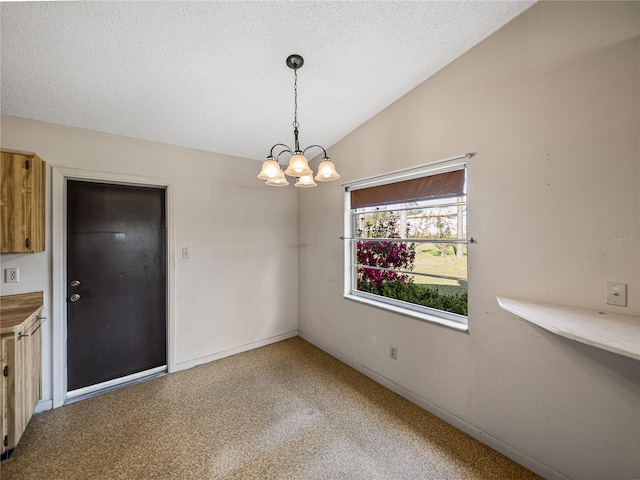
(389, 255)
(395, 257)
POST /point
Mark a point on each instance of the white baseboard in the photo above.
(43, 406)
(233, 351)
(489, 440)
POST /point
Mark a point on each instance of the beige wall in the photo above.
(551, 105)
(240, 285)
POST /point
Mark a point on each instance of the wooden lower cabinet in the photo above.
(21, 354)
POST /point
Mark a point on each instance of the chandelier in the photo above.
(298, 163)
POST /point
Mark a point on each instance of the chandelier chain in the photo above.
(295, 98)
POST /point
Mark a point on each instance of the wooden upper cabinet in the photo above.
(22, 203)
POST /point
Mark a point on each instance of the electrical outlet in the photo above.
(11, 275)
(617, 294)
(393, 352)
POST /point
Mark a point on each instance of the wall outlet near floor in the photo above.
(617, 294)
(11, 275)
(393, 352)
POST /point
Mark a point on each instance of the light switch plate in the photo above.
(185, 252)
(617, 294)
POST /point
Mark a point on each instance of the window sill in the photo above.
(461, 327)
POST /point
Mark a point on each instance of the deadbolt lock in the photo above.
(74, 298)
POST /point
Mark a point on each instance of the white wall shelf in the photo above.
(613, 332)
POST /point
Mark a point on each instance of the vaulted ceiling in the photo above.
(212, 75)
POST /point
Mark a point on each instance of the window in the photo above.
(406, 242)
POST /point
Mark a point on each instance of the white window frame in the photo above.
(451, 320)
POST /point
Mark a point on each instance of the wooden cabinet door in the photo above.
(8, 392)
(3, 400)
(22, 386)
(27, 376)
(22, 203)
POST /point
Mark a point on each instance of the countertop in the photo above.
(15, 309)
(614, 332)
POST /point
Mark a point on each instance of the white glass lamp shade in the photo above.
(270, 169)
(278, 181)
(298, 166)
(306, 181)
(327, 171)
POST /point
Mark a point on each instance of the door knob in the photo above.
(75, 297)
(75, 283)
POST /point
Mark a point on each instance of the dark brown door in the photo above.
(116, 281)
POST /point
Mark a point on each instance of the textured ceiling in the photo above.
(212, 75)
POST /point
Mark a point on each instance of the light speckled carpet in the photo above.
(285, 411)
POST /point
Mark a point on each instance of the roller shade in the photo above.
(450, 184)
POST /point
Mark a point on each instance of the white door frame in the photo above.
(59, 177)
